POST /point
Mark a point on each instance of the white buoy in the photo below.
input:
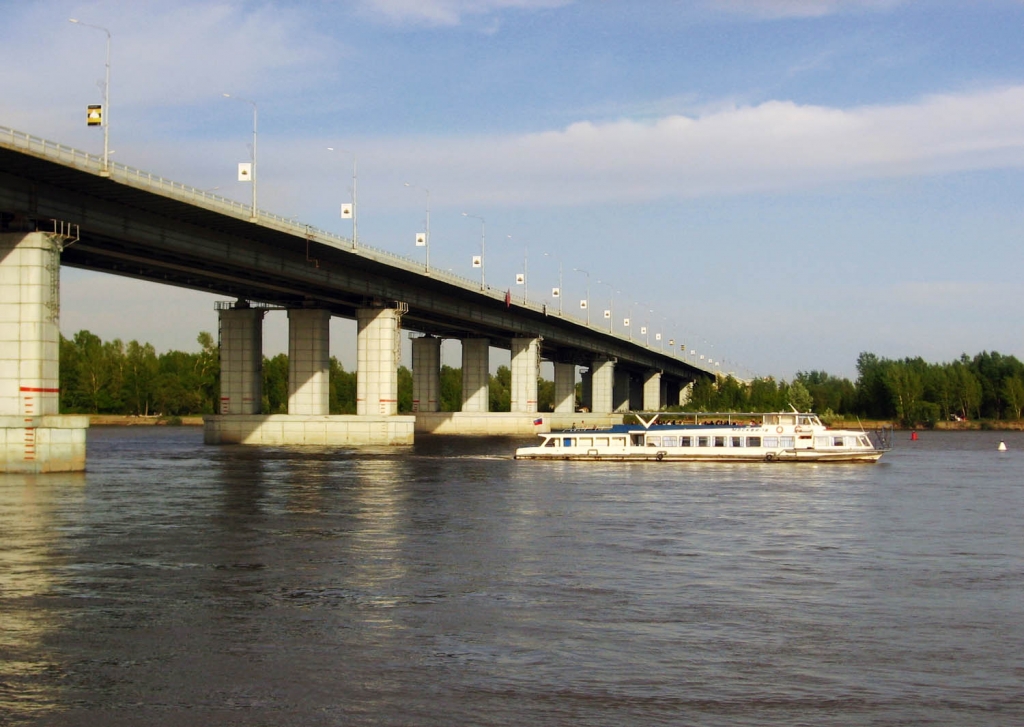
(1001, 447)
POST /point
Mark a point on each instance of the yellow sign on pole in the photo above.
(94, 116)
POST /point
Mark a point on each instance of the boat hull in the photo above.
(665, 456)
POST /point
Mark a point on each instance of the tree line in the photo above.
(111, 377)
(910, 391)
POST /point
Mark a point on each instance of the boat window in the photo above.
(822, 442)
(670, 441)
(719, 441)
(787, 419)
(737, 441)
(601, 441)
(863, 441)
(838, 441)
(786, 442)
(567, 442)
(702, 441)
(685, 441)
(771, 442)
(619, 441)
(586, 441)
(654, 441)
(753, 441)
(550, 442)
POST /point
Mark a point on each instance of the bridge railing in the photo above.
(138, 178)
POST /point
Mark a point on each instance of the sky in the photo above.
(780, 184)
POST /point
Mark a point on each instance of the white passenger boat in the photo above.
(763, 437)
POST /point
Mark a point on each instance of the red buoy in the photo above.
(913, 436)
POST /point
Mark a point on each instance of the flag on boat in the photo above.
(538, 421)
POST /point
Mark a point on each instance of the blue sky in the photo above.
(780, 183)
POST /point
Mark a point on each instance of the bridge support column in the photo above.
(602, 385)
(685, 392)
(652, 390)
(620, 391)
(33, 436)
(587, 389)
(309, 362)
(377, 349)
(475, 365)
(426, 374)
(565, 388)
(525, 372)
(241, 360)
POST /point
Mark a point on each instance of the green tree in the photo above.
(275, 384)
(1013, 393)
(404, 390)
(343, 389)
(451, 389)
(500, 389)
(799, 397)
(141, 369)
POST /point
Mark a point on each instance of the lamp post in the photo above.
(426, 235)
(252, 178)
(526, 271)
(611, 305)
(587, 299)
(483, 243)
(629, 318)
(355, 206)
(547, 254)
(106, 98)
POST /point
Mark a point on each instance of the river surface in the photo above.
(447, 584)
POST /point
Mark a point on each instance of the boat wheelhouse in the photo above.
(727, 437)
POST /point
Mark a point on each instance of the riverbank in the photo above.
(123, 420)
(1002, 425)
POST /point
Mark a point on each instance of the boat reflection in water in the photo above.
(732, 437)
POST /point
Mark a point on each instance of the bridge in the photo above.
(61, 206)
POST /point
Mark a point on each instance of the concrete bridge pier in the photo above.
(652, 390)
(34, 438)
(426, 374)
(475, 375)
(602, 385)
(241, 359)
(525, 372)
(308, 421)
(565, 388)
(309, 368)
(621, 394)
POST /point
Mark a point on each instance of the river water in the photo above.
(447, 584)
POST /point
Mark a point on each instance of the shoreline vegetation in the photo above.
(155, 420)
(120, 384)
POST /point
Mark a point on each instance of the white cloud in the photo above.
(773, 9)
(449, 12)
(771, 147)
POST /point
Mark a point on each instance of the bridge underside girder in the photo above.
(126, 229)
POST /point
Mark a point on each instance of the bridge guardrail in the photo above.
(217, 203)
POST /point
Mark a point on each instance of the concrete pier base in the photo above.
(35, 445)
(507, 423)
(289, 430)
(34, 438)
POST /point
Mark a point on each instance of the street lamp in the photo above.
(559, 288)
(611, 305)
(106, 99)
(587, 299)
(252, 177)
(483, 243)
(355, 228)
(426, 235)
(526, 272)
